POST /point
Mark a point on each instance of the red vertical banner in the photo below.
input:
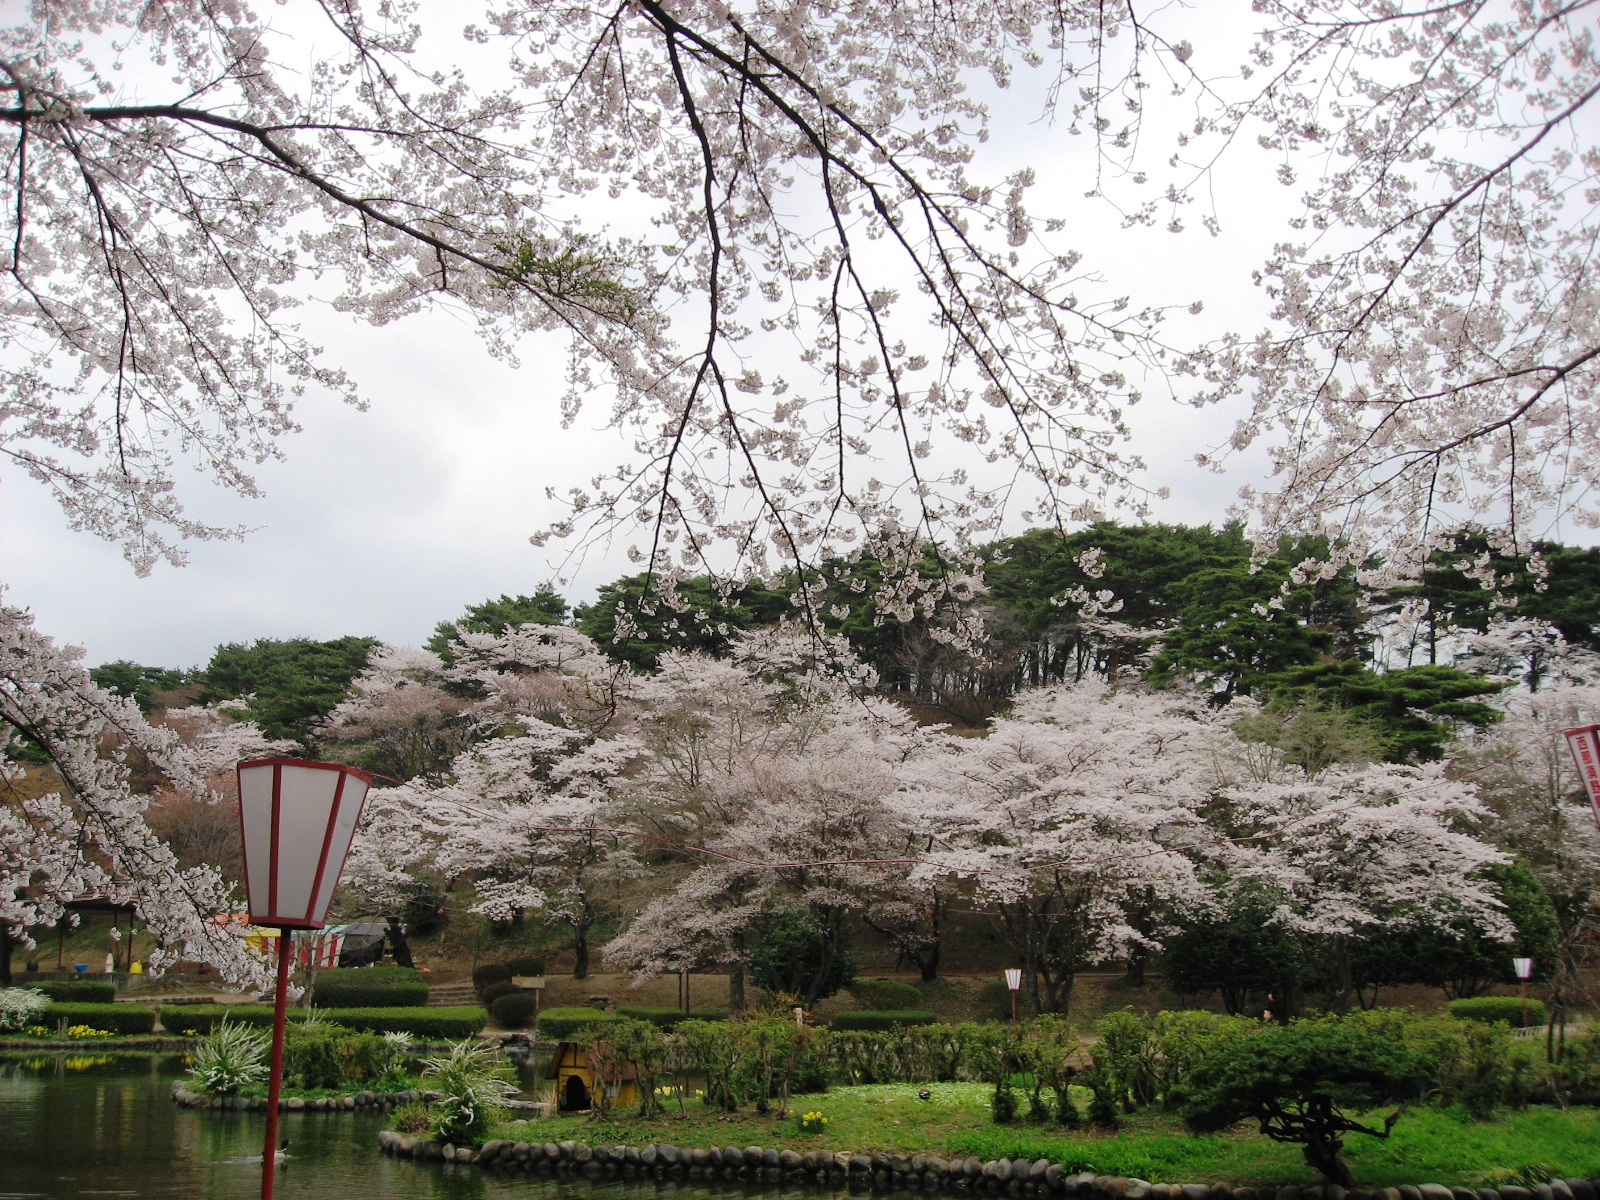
(1585, 746)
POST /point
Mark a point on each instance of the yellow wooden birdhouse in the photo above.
(569, 1066)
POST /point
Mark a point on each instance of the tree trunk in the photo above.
(580, 950)
(5, 955)
(1322, 1154)
(929, 964)
(736, 1001)
(398, 946)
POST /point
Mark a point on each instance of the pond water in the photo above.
(100, 1125)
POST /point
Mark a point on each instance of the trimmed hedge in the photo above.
(76, 991)
(126, 1019)
(189, 1019)
(369, 987)
(440, 1024)
(666, 1018)
(525, 966)
(495, 990)
(436, 1023)
(489, 973)
(514, 1008)
(886, 995)
(559, 1024)
(881, 1019)
(1491, 1009)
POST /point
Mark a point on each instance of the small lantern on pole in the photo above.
(1014, 982)
(296, 819)
(1524, 969)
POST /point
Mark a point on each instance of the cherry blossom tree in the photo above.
(1432, 359)
(399, 718)
(526, 815)
(1526, 775)
(1354, 849)
(77, 827)
(1062, 819)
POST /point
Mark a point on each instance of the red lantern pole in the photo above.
(280, 1012)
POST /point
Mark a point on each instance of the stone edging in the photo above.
(382, 1101)
(1014, 1177)
(350, 1102)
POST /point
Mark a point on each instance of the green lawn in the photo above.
(1428, 1145)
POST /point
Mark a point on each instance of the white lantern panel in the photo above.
(344, 828)
(255, 817)
(297, 819)
(305, 808)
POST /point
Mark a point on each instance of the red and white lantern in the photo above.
(297, 819)
(1585, 746)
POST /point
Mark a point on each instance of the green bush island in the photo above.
(320, 1055)
(1490, 1009)
(130, 1020)
(877, 1019)
(525, 967)
(495, 990)
(369, 987)
(560, 1024)
(886, 994)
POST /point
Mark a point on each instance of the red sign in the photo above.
(1585, 746)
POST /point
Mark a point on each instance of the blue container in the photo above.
(81, 968)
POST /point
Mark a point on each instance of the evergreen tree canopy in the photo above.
(544, 607)
(292, 683)
(138, 683)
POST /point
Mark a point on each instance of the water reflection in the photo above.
(103, 1125)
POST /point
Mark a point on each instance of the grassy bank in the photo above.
(1428, 1145)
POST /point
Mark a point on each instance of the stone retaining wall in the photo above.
(1012, 1177)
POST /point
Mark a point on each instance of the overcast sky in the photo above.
(388, 521)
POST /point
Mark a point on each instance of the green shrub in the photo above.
(1309, 1084)
(129, 1019)
(513, 1009)
(883, 1019)
(559, 1024)
(77, 991)
(21, 1008)
(436, 1024)
(525, 966)
(331, 1056)
(994, 1001)
(369, 987)
(495, 990)
(1490, 1009)
(470, 1091)
(886, 994)
(489, 973)
(232, 1058)
(668, 1017)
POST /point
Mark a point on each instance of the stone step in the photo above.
(449, 995)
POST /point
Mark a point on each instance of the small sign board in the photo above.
(1585, 746)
